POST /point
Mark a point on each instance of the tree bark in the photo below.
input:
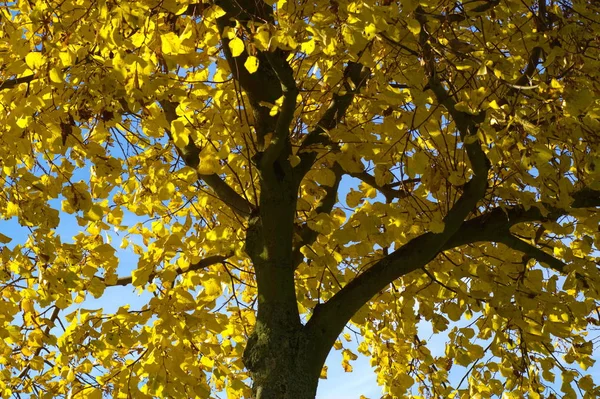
(282, 363)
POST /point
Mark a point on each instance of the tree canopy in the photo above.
(291, 168)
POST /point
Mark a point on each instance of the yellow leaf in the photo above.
(35, 60)
(463, 106)
(140, 276)
(354, 198)
(371, 30)
(12, 209)
(251, 64)
(4, 239)
(555, 84)
(178, 131)
(67, 58)
(482, 71)
(213, 13)
(294, 160)
(493, 105)
(56, 75)
(24, 121)
(414, 27)
(95, 213)
(212, 288)
(170, 43)
(207, 362)
(323, 375)
(209, 163)
(261, 38)
(308, 47)
(325, 177)
(453, 311)
(237, 46)
(27, 305)
(347, 367)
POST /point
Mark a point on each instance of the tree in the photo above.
(467, 137)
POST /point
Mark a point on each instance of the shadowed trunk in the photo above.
(283, 365)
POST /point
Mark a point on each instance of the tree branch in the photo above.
(202, 264)
(399, 45)
(524, 81)
(191, 156)
(37, 352)
(387, 190)
(519, 245)
(487, 226)
(285, 73)
(466, 124)
(263, 85)
(355, 75)
(308, 235)
(329, 319)
(10, 83)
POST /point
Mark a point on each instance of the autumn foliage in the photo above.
(285, 169)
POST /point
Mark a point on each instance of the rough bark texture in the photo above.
(282, 364)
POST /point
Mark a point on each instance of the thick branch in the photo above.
(10, 83)
(202, 264)
(285, 73)
(356, 76)
(487, 226)
(247, 10)
(466, 124)
(191, 156)
(308, 235)
(263, 85)
(329, 319)
(524, 81)
(532, 251)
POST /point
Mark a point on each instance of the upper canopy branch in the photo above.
(355, 75)
(191, 156)
(285, 74)
(202, 264)
(263, 86)
(307, 236)
(466, 124)
(10, 83)
(47, 329)
(494, 226)
(485, 226)
(388, 190)
(330, 318)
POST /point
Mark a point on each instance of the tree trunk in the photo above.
(282, 364)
